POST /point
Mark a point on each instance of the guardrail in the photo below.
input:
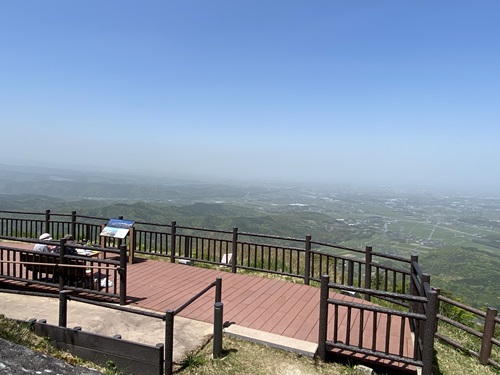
(304, 259)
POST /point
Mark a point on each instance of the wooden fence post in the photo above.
(438, 304)
(234, 258)
(102, 238)
(119, 241)
(350, 273)
(123, 274)
(368, 270)
(323, 316)
(307, 260)
(413, 286)
(173, 230)
(131, 245)
(429, 332)
(73, 225)
(488, 333)
(61, 270)
(47, 221)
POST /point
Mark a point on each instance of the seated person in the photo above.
(45, 248)
(70, 241)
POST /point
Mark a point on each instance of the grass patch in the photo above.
(244, 357)
(449, 361)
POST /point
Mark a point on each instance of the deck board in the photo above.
(264, 304)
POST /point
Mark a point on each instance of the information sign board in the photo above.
(117, 228)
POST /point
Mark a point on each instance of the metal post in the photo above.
(488, 333)
(218, 289)
(234, 258)
(323, 316)
(169, 341)
(172, 242)
(218, 318)
(307, 260)
(123, 274)
(63, 308)
(368, 270)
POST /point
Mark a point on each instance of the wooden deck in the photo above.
(260, 303)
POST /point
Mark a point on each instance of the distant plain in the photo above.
(457, 236)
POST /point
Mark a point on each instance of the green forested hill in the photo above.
(457, 239)
(467, 272)
(227, 216)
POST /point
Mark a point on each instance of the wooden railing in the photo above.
(105, 276)
(385, 277)
(420, 317)
(376, 329)
(470, 330)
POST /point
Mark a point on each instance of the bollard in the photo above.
(323, 316)
(169, 341)
(218, 317)
(218, 289)
(63, 308)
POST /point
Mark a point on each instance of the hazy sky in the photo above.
(368, 91)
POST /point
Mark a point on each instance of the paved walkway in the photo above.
(188, 334)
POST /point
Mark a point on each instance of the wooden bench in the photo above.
(46, 265)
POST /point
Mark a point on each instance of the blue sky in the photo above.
(352, 92)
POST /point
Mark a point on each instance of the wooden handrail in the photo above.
(69, 265)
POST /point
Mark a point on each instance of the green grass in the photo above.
(244, 357)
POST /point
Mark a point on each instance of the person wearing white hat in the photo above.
(43, 247)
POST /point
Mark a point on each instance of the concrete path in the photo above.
(188, 334)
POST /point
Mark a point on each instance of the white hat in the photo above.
(45, 237)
